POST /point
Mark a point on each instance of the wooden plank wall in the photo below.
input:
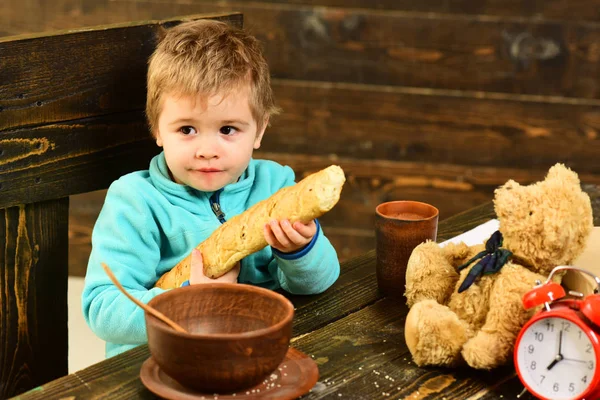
(435, 101)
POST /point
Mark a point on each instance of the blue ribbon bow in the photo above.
(492, 260)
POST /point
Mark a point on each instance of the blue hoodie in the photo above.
(149, 223)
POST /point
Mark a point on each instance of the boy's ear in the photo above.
(159, 141)
(259, 135)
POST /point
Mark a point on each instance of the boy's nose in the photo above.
(206, 152)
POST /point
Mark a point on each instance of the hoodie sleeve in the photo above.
(126, 238)
(310, 270)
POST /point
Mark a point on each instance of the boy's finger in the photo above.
(196, 258)
(279, 234)
(234, 272)
(196, 267)
(235, 269)
(295, 237)
(231, 276)
(269, 237)
(306, 230)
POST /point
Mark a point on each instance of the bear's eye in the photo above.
(530, 213)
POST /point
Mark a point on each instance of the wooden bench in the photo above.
(71, 121)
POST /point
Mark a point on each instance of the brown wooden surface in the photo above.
(369, 122)
(39, 163)
(459, 52)
(48, 16)
(33, 295)
(547, 9)
(354, 334)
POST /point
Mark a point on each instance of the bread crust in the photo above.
(243, 234)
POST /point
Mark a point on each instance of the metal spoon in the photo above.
(146, 307)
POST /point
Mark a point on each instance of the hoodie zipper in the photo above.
(216, 207)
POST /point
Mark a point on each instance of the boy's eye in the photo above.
(187, 130)
(227, 130)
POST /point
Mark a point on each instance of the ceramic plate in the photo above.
(295, 376)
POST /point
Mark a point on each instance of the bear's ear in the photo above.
(559, 173)
(509, 185)
(506, 197)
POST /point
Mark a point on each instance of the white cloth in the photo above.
(477, 235)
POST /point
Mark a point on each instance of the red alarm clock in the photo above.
(557, 352)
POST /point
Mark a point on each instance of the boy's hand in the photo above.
(197, 271)
(286, 238)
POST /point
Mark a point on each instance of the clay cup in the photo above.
(400, 226)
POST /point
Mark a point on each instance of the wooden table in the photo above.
(355, 335)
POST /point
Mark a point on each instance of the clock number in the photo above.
(549, 326)
(571, 387)
(590, 365)
(584, 379)
(588, 348)
(539, 336)
(530, 349)
(543, 377)
(555, 387)
(579, 332)
(533, 365)
(566, 326)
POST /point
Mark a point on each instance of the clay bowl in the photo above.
(236, 336)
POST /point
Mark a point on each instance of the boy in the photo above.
(209, 102)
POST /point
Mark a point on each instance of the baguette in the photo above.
(243, 234)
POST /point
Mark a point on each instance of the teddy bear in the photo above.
(466, 301)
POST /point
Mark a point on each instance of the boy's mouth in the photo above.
(209, 170)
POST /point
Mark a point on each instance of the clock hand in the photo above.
(560, 342)
(558, 358)
(575, 360)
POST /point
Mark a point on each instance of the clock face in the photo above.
(556, 358)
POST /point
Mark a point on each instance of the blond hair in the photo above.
(206, 57)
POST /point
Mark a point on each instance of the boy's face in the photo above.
(208, 142)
